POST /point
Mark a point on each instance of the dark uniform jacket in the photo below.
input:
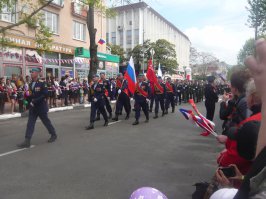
(38, 94)
(210, 94)
(97, 90)
(139, 97)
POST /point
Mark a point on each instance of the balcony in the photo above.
(79, 10)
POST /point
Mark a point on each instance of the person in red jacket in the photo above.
(230, 155)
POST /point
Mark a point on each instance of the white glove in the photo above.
(147, 100)
(31, 104)
(119, 91)
(108, 98)
(95, 100)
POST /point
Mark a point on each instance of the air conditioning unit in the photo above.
(120, 28)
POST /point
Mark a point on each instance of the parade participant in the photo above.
(96, 97)
(38, 108)
(123, 99)
(152, 97)
(170, 95)
(179, 88)
(112, 89)
(107, 103)
(159, 95)
(211, 98)
(141, 97)
(2, 95)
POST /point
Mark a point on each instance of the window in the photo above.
(8, 13)
(113, 39)
(79, 31)
(51, 21)
(58, 2)
(107, 37)
(136, 36)
(129, 37)
(121, 37)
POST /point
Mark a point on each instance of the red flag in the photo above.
(150, 73)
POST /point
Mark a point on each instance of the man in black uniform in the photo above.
(96, 97)
(107, 94)
(38, 108)
(170, 95)
(123, 99)
(141, 96)
(211, 98)
(159, 95)
(179, 88)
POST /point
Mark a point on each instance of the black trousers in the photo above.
(145, 108)
(159, 99)
(152, 101)
(33, 115)
(178, 97)
(170, 99)
(123, 101)
(2, 103)
(107, 105)
(210, 109)
(99, 105)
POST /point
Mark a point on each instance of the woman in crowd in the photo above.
(11, 94)
(2, 95)
(74, 91)
(64, 93)
(20, 90)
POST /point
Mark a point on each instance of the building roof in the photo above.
(144, 5)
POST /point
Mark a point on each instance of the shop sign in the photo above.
(26, 42)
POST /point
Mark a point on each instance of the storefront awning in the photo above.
(85, 53)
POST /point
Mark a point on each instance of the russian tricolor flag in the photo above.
(130, 76)
(101, 41)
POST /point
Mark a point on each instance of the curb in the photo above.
(52, 110)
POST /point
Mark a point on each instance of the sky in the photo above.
(215, 26)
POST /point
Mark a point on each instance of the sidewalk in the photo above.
(51, 110)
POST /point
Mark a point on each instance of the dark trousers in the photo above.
(152, 101)
(99, 105)
(107, 105)
(210, 109)
(2, 103)
(159, 99)
(33, 115)
(170, 99)
(145, 108)
(123, 101)
(178, 97)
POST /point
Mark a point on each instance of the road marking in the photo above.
(15, 151)
(114, 122)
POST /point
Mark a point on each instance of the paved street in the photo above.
(105, 163)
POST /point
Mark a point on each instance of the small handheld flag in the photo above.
(101, 41)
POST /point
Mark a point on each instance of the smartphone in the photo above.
(228, 171)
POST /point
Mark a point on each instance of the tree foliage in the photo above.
(164, 53)
(257, 15)
(247, 49)
(117, 50)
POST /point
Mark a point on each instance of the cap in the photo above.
(35, 70)
(96, 75)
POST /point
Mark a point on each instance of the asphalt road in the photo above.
(107, 162)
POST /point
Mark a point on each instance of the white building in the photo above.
(135, 23)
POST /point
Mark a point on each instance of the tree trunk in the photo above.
(93, 45)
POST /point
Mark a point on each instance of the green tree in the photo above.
(165, 54)
(95, 7)
(257, 16)
(117, 50)
(247, 49)
(28, 14)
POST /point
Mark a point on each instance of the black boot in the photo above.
(97, 118)
(173, 110)
(136, 122)
(127, 117)
(25, 144)
(91, 126)
(156, 116)
(106, 123)
(52, 138)
(147, 120)
(163, 113)
(166, 112)
(115, 118)
(110, 116)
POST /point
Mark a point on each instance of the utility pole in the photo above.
(256, 20)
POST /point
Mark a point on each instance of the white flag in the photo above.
(159, 73)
